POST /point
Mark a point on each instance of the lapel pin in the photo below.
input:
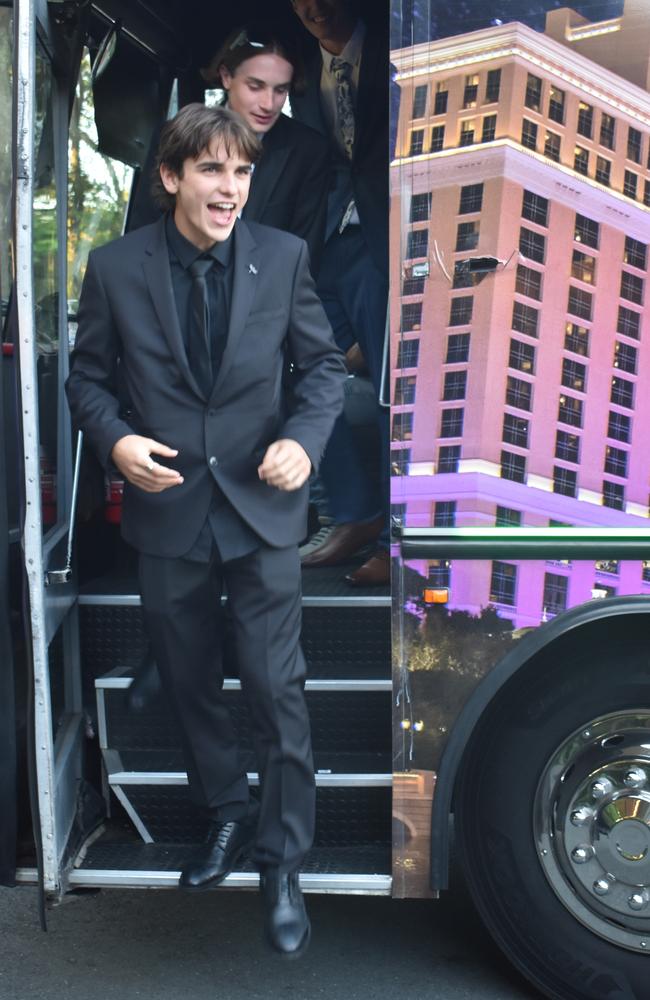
(252, 269)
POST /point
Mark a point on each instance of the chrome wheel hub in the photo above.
(592, 827)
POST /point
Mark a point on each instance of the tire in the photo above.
(552, 820)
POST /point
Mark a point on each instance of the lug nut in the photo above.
(636, 777)
(639, 900)
(582, 853)
(601, 787)
(580, 817)
(601, 887)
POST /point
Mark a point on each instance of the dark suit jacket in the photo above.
(368, 170)
(127, 316)
(290, 184)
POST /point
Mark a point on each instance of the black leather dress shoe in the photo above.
(287, 924)
(145, 686)
(226, 844)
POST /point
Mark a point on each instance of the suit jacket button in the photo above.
(213, 461)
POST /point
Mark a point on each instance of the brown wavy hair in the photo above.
(260, 38)
(193, 130)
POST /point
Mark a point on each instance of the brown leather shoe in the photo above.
(344, 541)
(374, 573)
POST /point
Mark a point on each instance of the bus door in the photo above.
(40, 117)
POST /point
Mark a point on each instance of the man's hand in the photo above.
(132, 456)
(286, 465)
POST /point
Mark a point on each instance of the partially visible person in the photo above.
(257, 68)
(347, 99)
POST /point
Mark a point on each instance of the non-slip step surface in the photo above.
(338, 643)
(326, 763)
(341, 722)
(344, 816)
(324, 582)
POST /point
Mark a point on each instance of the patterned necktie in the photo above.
(199, 332)
(342, 71)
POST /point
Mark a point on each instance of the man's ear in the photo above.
(226, 77)
(169, 178)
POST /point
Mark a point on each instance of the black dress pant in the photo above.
(181, 602)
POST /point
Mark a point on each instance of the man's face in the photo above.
(258, 89)
(323, 19)
(210, 193)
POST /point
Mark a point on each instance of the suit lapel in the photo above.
(270, 169)
(246, 267)
(159, 281)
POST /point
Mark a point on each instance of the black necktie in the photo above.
(199, 332)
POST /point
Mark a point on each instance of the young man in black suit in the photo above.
(257, 66)
(347, 98)
(198, 310)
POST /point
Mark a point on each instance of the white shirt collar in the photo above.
(352, 51)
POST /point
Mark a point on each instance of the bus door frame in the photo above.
(57, 756)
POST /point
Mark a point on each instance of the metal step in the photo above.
(346, 814)
(118, 680)
(345, 718)
(364, 868)
(324, 587)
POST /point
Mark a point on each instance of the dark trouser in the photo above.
(354, 293)
(181, 601)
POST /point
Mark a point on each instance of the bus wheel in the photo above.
(552, 820)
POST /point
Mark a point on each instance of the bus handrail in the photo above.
(523, 543)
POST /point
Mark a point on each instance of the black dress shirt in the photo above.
(224, 527)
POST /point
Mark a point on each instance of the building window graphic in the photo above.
(503, 583)
(532, 245)
(437, 138)
(570, 410)
(619, 426)
(552, 146)
(402, 426)
(603, 170)
(421, 207)
(587, 231)
(399, 461)
(457, 348)
(448, 458)
(622, 392)
(583, 267)
(471, 199)
(574, 375)
(556, 587)
(576, 339)
(444, 514)
(525, 319)
(533, 98)
(411, 316)
(632, 288)
(489, 130)
(628, 322)
(585, 120)
(567, 447)
(616, 461)
(565, 481)
(607, 131)
(636, 253)
(519, 393)
(634, 139)
(467, 236)
(440, 100)
(461, 311)
(513, 467)
(506, 517)
(413, 286)
(529, 282)
(417, 142)
(630, 184)
(556, 105)
(580, 303)
(408, 353)
(492, 86)
(613, 495)
(535, 208)
(467, 130)
(581, 160)
(529, 134)
(404, 390)
(451, 424)
(455, 385)
(515, 430)
(625, 357)
(419, 102)
(522, 356)
(417, 244)
(439, 573)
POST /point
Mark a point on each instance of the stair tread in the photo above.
(161, 761)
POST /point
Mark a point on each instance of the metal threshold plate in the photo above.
(123, 778)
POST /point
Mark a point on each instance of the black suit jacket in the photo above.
(368, 170)
(290, 184)
(127, 317)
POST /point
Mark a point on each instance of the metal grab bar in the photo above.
(63, 575)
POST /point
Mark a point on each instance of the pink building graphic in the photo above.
(520, 230)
